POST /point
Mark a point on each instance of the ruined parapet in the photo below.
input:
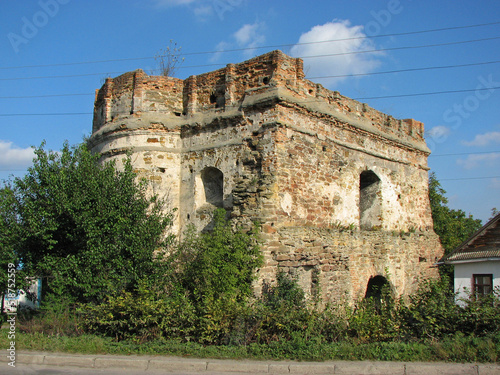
(339, 188)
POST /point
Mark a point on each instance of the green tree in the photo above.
(452, 226)
(87, 229)
(9, 237)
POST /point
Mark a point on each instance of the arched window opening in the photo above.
(375, 287)
(213, 186)
(370, 207)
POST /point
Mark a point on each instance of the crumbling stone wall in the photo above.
(339, 188)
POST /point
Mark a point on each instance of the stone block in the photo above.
(69, 360)
(441, 369)
(121, 363)
(176, 364)
(238, 366)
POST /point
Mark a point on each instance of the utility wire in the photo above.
(300, 102)
(44, 96)
(407, 70)
(466, 153)
(427, 93)
(46, 114)
(402, 48)
(468, 178)
(253, 48)
(304, 57)
(310, 78)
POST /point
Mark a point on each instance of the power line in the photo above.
(46, 114)
(427, 93)
(466, 153)
(253, 48)
(402, 48)
(468, 178)
(407, 70)
(303, 57)
(302, 101)
(310, 78)
(44, 96)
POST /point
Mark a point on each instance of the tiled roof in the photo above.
(484, 244)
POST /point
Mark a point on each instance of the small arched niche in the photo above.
(370, 206)
(213, 186)
(375, 287)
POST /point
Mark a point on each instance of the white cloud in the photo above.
(439, 132)
(14, 158)
(245, 33)
(474, 160)
(353, 40)
(203, 11)
(172, 3)
(484, 139)
(220, 48)
(250, 36)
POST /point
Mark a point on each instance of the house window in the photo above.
(370, 207)
(482, 284)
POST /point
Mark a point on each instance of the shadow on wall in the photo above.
(370, 207)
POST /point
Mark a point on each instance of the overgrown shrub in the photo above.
(141, 315)
(431, 311)
(221, 263)
(480, 316)
(201, 296)
(57, 317)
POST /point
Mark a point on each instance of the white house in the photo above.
(477, 261)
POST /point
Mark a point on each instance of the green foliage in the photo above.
(9, 239)
(286, 293)
(201, 295)
(376, 319)
(281, 313)
(452, 226)
(216, 269)
(480, 315)
(432, 311)
(219, 264)
(151, 322)
(57, 317)
(141, 315)
(87, 229)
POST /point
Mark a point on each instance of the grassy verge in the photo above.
(457, 348)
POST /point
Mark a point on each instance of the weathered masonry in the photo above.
(339, 188)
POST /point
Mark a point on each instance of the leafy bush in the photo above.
(201, 295)
(57, 317)
(141, 315)
(480, 316)
(376, 319)
(221, 262)
(432, 311)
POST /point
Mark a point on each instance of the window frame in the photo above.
(479, 288)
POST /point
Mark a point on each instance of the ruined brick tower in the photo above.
(340, 189)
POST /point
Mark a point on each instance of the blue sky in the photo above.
(56, 53)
